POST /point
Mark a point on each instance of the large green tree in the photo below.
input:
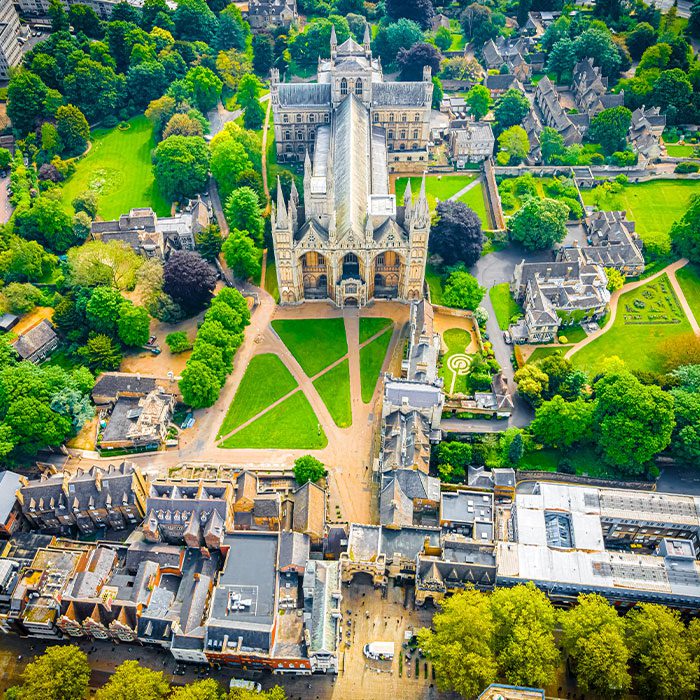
(243, 212)
(102, 310)
(73, 129)
(562, 58)
(610, 127)
(308, 468)
(478, 100)
(241, 254)
(463, 291)
(60, 673)
(181, 166)
(561, 424)
(513, 145)
(27, 96)
(133, 325)
(199, 385)
(132, 681)
(47, 222)
(511, 109)
(113, 264)
(540, 223)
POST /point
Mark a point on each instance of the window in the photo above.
(287, 135)
(415, 133)
(416, 117)
(391, 116)
(402, 147)
(285, 119)
(376, 117)
(300, 135)
(380, 259)
(358, 87)
(403, 117)
(343, 87)
(312, 118)
(312, 135)
(403, 133)
(391, 134)
(300, 148)
(326, 118)
(299, 118)
(288, 148)
(414, 146)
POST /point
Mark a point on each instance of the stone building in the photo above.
(472, 143)
(350, 242)
(590, 88)
(264, 15)
(400, 109)
(10, 48)
(103, 8)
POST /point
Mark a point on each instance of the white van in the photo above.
(379, 650)
(246, 685)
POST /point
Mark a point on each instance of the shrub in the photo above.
(178, 342)
(563, 339)
(686, 167)
(622, 179)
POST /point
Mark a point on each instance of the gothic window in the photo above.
(312, 135)
(343, 87)
(358, 87)
(289, 148)
(380, 259)
(285, 119)
(415, 133)
(300, 136)
(299, 118)
(321, 259)
(287, 135)
(300, 148)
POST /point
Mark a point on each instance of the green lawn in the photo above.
(440, 187)
(540, 353)
(315, 343)
(573, 334)
(371, 361)
(475, 200)
(638, 331)
(456, 377)
(689, 279)
(583, 459)
(334, 389)
(680, 150)
(266, 380)
(653, 206)
(434, 280)
(271, 280)
(290, 426)
(504, 306)
(370, 326)
(119, 169)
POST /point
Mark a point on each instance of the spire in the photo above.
(334, 41)
(422, 208)
(294, 193)
(282, 221)
(292, 212)
(367, 40)
(408, 201)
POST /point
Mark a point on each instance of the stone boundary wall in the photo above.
(583, 480)
(493, 198)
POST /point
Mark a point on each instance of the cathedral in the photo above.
(349, 242)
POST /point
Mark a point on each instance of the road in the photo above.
(5, 206)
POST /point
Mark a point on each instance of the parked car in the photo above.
(507, 337)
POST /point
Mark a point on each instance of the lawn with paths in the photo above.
(333, 387)
(646, 317)
(119, 169)
(653, 206)
(504, 306)
(292, 425)
(541, 353)
(371, 360)
(370, 326)
(456, 362)
(265, 381)
(689, 279)
(315, 343)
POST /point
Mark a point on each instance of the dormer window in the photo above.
(343, 87)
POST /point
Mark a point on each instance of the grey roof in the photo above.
(304, 94)
(418, 394)
(501, 81)
(294, 550)
(7, 321)
(35, 339)
(399, 94)
(408, 542)
(399, 489)
(406, 440)
(9, 483)
(324, 604)
(112, 383)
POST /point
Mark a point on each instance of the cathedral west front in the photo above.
(349, 242)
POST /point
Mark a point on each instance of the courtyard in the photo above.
(459, 348)
(119, 169)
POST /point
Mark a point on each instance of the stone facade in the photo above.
(264, 15)
(10, 49)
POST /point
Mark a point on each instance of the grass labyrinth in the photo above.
(456, 361)
(646, 317)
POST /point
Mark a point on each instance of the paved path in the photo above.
(670, 270)
(466, 189)
(5, 206)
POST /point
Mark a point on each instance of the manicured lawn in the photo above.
(540, 353)
(315, 343)
(475, 200)
(504, 305)
(265, 381)
(370, 326)
(290, 426)
(434, 280)
(440, 187)
(271, 281)
(119, 169)
(689, 279)
(573, 334)
(334, 388)
(680, 150)
(371, 361)
(454, 370)
(583, 459)
(653, 206)
(638, 330)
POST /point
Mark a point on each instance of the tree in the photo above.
(27, 96)
(512, 446)
(5, 158)
(182, 125)
(456, 235)
(480, 24)
(21, 298)
(208, 242)
(561, 424)
(199, 385)
(462, 291)
(194, 21)
(631, 422)
(685, 442)
(596, 43)
(593, 636)
(685, 233)
(95, 89)
(532, 383)
(540, 223)
(208, 689)
(514, 146)
(60, 673)
(640, 39)
(660, 649)
(133, 324)
(73, 129)
(84, 19)
(205, 86)
(181, 166)
(694, 20)
(113, 264)
(132, 681)
(308, 468)
(145, 81)
(562, 58)
(610, 127)
(46, 222)
(420, 11)
(443, 38)
(478, 100)
(672, 92)
(178, 342)
(241, 255)
(243, 212)
(58, 16)
(460, 644)
(511, 108)
(160, 111)
(229, 159)
(315, 39)
(393, 37)
(233, 29)
(524, 621)
(411, 61)
(101, 353)
(253, 115)
(551, 144)
(188, 279)
(102, 309)
(453, 458)
(263, 55)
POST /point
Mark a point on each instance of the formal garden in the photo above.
(647, 317)
(119, 170)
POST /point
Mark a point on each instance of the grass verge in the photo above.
(314, 342)
(334, 389)
(370, 326)
(504, 306)
(371, 361)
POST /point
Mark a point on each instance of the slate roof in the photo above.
(35, 339)
(294, 550)
(9, 483)
(502, 82)
(400, 94)
(110, 384)
(309, 509)
(399, 489)
(406, 440)
(324, 604)
(304, 94)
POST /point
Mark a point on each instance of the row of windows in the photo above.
(287, 136)
(312, 118)
(404, 117)
(344, 87)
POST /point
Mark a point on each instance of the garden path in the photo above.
(670, 270)
(464, 190)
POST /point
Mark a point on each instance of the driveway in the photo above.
(5, 206)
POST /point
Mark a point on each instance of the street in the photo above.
(5, 206)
